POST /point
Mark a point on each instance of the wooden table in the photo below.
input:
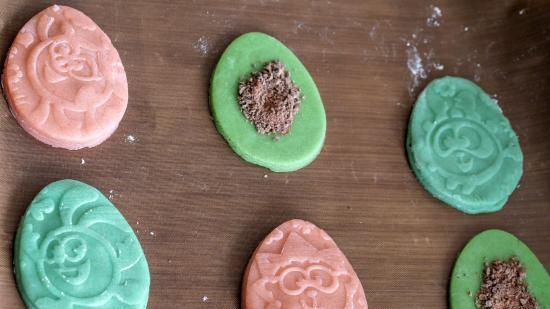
(200, 211)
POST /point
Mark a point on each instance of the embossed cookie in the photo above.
(462, 148)
(299, 266)
(74, 250)
(64, 80)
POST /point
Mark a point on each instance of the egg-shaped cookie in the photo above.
(462, 148)
(64, 80)
(75, 250)
(266, 104)
(298, 265)
(501, 247)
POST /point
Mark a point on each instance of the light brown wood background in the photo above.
(200, 211)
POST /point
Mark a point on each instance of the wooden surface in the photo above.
(200, 211)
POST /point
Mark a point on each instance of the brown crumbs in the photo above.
(270, 99)
(503, 287)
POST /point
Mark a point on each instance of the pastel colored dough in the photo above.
(64, 80)
(462, 148)
(74, 250)
(289, 152)
(298, 265)
(484, 248)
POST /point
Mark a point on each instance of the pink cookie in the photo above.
(298, 266)
(64, 80)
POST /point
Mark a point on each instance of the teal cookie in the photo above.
(74, 250)
(462, 148)
(487, 247)
(290, 152)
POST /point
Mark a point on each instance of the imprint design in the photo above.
(84, 252)
(464, 144)
(64, 77)
(302, 276)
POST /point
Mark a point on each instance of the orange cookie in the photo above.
(298, 265)
(64, 80)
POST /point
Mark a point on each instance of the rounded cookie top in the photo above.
(75, 250)
(462, 148)
(298, 265)
(64, 80)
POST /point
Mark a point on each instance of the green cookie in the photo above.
(74, 250)
(484, 248)
(305, 140)
(462, 148)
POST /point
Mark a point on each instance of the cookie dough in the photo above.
(75, 250)
(280, 153)
(64, 80)
(298, 265)
(462, 148)
(489, 246)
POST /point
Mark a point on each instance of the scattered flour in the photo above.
(130, 139)
(438, 66)
(416, 68)
(421, 58)
(435, 19)
(494, 97)
(111, 194)
(82, 161)
(202, 45)
(372, 32)
(152, 233)
(326, 34)
(205, 299)
(477, 72)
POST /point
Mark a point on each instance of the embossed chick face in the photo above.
(68, 264)
(69, 258)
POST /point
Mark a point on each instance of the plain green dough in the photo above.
(247, 54)
(484, 248)
(74, 250)
(462, 148)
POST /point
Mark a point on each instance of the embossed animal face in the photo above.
(69, 60)
(466, 144)
(64, 80)
(299, 266)
(310, 285)
(68, 263)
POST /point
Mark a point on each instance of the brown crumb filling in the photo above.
(270, 99)
(503, 287)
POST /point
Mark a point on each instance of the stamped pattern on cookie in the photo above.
(75, 250)
(65, 80)
(299, 266)
(465, 140)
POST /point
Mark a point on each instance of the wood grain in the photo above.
(200, 211)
